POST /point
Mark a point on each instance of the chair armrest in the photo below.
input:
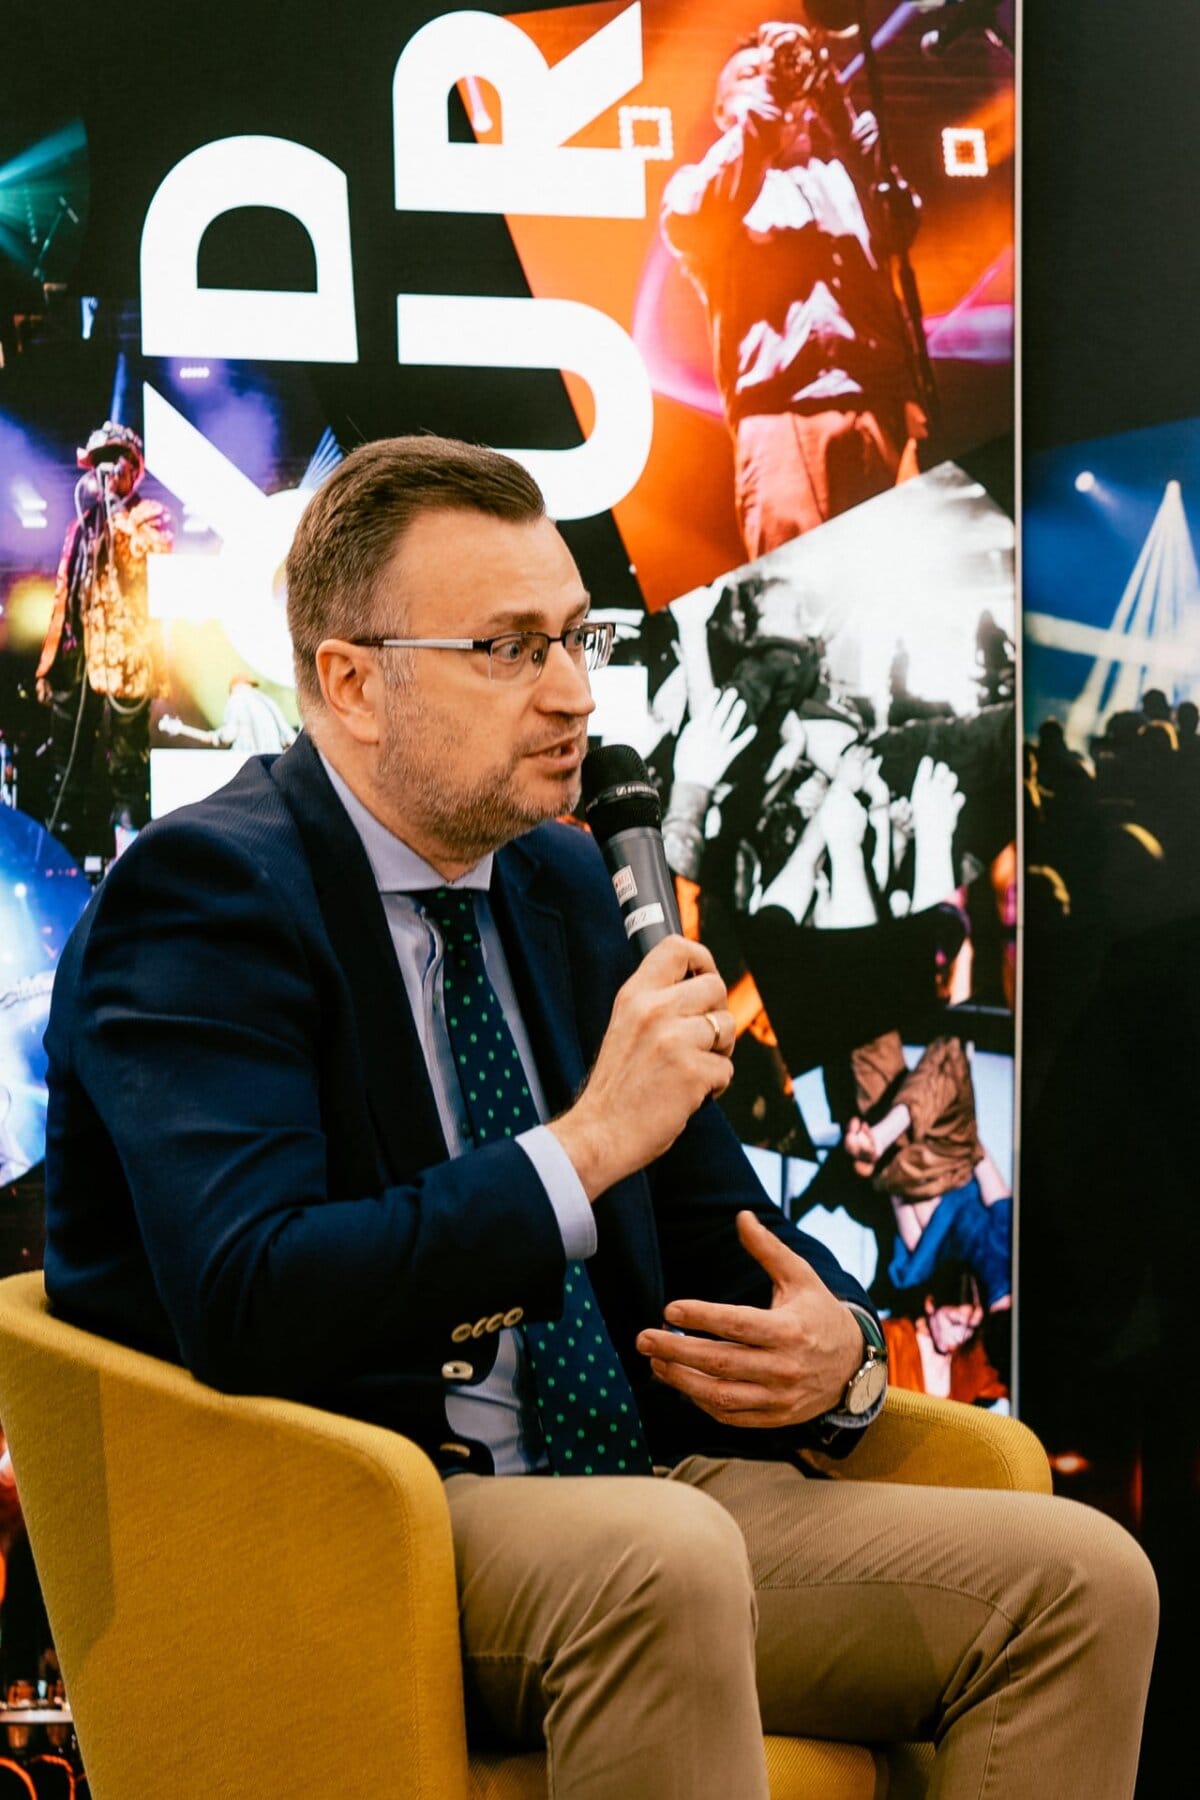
(942, 1443)
(239, 1588)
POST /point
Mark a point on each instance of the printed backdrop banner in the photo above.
(738, 291)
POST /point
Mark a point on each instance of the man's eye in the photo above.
(509, 650)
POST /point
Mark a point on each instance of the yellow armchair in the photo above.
(252, 1598)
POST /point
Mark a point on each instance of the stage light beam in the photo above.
(1154, 638)
(1085, 481)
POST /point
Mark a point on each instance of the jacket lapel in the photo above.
(398, 1093)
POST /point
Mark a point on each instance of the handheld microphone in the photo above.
(620, 803)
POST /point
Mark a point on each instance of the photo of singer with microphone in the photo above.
(364, 1092)
(97, 672)
(786, 227)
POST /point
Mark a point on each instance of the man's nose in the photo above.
(563, 686)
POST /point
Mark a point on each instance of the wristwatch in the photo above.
(866, 1386)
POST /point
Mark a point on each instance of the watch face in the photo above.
(866, 1387)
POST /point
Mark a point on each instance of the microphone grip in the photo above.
(642, 882)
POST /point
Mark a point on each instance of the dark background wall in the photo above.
(1109, 1188)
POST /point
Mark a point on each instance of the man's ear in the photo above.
(351, 688)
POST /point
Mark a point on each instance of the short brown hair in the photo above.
(350, 529)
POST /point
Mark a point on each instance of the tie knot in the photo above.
(454, 915)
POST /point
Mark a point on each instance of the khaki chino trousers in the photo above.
(649, 1630)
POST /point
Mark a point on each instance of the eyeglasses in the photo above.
(517, 655)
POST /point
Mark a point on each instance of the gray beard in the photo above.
(470, 822)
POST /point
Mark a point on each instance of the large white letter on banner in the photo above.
(240, 587)
(469, 331)
(530, 172)
(180, 318)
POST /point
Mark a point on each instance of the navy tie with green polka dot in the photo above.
(586, 1408)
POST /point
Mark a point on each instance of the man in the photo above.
(96, 671)
(279, 1149)
(808, 348)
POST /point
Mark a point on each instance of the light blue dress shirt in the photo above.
(499, 1411)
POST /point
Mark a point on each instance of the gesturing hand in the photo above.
(936, 804)
(761, 1366)
(712, 739)
(936, 799)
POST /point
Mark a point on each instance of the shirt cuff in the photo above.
(564, 1190)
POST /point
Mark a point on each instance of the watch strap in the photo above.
(870, 1327)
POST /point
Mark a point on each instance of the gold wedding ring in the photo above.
(711, 1019)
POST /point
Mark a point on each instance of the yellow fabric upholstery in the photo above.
(251, 1597)
(938, 1443)
(799, 1769)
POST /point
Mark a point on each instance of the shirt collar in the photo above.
(395, 865)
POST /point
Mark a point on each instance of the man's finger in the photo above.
(727, 702)
(780, 1261)
(717, 1357)
(703, 994)
(674, 957)
(719, 1398)
(722, 1029)
(737, 1324)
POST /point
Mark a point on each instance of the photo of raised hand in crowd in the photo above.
(851, 870)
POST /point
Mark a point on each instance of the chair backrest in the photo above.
(237, 1587)
(14, 1782)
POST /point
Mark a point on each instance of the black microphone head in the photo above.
(618, 794)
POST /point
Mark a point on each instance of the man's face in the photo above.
(467, 760)
(122, 475)
(951, 1327)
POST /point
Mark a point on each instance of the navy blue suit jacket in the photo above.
(245, 1170)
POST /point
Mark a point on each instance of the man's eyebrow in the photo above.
(528, 619)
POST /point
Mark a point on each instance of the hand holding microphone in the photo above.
(668, 1041)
